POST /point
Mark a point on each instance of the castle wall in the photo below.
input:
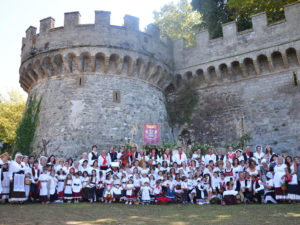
(74, 118)
(266, 107)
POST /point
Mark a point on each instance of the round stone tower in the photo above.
(100, 83)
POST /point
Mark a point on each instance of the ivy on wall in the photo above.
(180, 106)
(27, 127)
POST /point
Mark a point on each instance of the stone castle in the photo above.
(100, 83)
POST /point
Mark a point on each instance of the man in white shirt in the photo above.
(104, 160)
(180, 157)
(209, 156)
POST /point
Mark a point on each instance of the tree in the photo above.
(214, 14)
(243, 9)
(178, 21)
(11, 110)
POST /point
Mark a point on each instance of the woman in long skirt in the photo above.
(17, 180)
(293, 189)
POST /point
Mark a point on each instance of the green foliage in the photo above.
(204, 147)
(27, 127)
(243, 9)
(214, 14)
(166, 145)
(11, 110)
(178, 21)
(181, 108)
(243, 140)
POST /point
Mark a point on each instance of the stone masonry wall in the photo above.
(74, 118)
(269, 106)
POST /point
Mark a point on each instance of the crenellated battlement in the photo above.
(264, 49)
(235, 43)
(101, 33)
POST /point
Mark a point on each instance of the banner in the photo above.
(151, 133)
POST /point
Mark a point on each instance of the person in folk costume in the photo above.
(25, 164)
(61, 177)
(31, 160)
(145, 194)
(17, 178)
(84, 157)
(184, 188)
(219, 156)
(209, 156)
(27, 185)
(197, 155)
(68, 194)
(157, 190)
(167, 157)
(93, 155)
(117, 192)
(243, 186)
(170, 188)
(44, 186)
(141, 157)
(84, 181)
(269, 189)
(180, 157)
(248, 154)
(76, 188)
(53, 186)
(84, 166)
(230, 155)
(113, 155)
(258, 155)
(268, 153)
(92, 184)
(292, 183)
(104, 160)
(34, 187)
(154, 156)
(280, 171)
(5, 176)
(129, 192)
(229, 196)
(257, 189)
(125, 156)
(108, 195)
(134, 154)
(42, 163)
(100, 186)
(228, 171)
(239, 155)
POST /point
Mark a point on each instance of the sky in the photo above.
(17, 15)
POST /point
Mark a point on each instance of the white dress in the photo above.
(146, 193)
(53, 185)
(44, 180)
(279, 172)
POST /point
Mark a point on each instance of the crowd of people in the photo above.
(132, 176)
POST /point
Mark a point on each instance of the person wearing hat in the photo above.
(269, 189)
(17, 178)
(93, 155)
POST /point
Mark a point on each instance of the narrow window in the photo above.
(295, 78)
(116, 96)
(80, 82)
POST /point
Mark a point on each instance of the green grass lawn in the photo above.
(85, 213)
